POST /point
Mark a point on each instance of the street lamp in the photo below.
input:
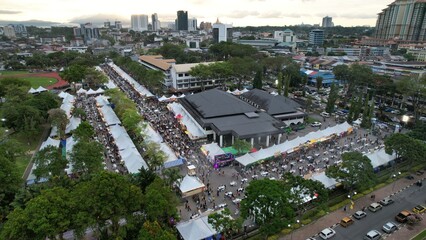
(394, 182)
(214, 81)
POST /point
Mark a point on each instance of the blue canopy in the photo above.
(174, 163)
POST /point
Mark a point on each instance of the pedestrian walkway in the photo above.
(331, 219)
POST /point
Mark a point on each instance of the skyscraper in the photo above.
(404, 20)
(192, 24)
(222, 32)
(327, 22)
(155, 22)
(182, 21)
(139, 23)
(316, 37)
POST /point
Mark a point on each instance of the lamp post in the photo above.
(214, 81)
(394, 176)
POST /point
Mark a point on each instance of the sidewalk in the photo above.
(333, 218)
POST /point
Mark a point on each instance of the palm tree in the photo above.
(171, 175)
(155, 156)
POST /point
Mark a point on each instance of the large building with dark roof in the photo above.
(225, 115)
(277, 106)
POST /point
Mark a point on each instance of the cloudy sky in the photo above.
(237, 12)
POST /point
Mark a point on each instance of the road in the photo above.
(406, 199)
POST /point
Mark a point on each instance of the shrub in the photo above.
(286, 231)
(340, 205)
(306, 221)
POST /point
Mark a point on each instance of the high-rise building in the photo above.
(107, 24)
(222, 32)
(182, 21)
(118, 25)
(139, 23)
(192, 24)
(327, 22)
(285, 36)
(155, 22)
(9, 31)
(316, 37)
(87, 32)
(403, 20)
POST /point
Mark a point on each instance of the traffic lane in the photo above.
(407, 199)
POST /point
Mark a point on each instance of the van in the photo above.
(325, 114)
(374, 207)
(346, 221)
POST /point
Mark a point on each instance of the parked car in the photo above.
(264, 174)
(402, 216)
(233, 183)
(389, 227)
(327, 233)
(374, 207)
(419, 209)
(346, 221)
(359, 214)
(373, 235)
(386, 201)
(316, 124)
(325, 114)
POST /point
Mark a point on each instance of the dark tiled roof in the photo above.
(272, 104)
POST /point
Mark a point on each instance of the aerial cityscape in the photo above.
(193, 120)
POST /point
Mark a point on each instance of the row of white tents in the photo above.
(137, 86)
(37, 90)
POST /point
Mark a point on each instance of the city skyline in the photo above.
(254, 13)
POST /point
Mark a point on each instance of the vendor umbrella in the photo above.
(179, 116)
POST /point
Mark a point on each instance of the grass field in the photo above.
(11, 73)
(40, 81)
(420, 236)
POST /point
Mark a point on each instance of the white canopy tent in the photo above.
(109, 116)
(212, 150)
(99, 91)
(74, 122)
(138, 87)
(196, 229)
(380, 158)
(154, 136)
(111, 85)
(191, 185)
(163, 98)
(288, 146)
(32, 90)
(328, 182)
(101, 101)
(81, 91)
(67, 107)
(91, 92)
(41, 89)
(133, 160)
(194, 129)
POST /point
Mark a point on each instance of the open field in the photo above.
(11, 73)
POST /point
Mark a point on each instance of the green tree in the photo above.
(241, 145)
(44, 102)
(74, 73)
(49, 162)
(59, 119)
(171, 175)
(84, 132)
(94, 78)
(406, 147)
(319, 83)
(266, 200)
(242, 68)
(103, 201)
(341, 72)
(201, 72)
(257, 82)
(160, 202)
(87, 157)
(155, 156)
(355, 172)
(419, 131)
(14, 229)
(143, 179)
(10, 182)
(279, 83)
(224, 223)
(332, 98)
(287, 81)
(154, 231)
(131, 120)
(7, 82)
(79, 112)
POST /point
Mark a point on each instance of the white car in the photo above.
(272, 178)
(233, 183)
(244, 180)
(228, 194)
(389, 227)
(222, 205)
(264, 174)
(237, 200)
(255, 176)
(316, 124)
(240, 189)
(327, 233)
(221, 188)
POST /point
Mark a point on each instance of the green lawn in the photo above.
(11, 73)
(40, 81)
(420, 236)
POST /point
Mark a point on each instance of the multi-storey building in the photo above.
(155, 22)
(222, 32)
(316, 37)
(402, 20)
(192, 24)
(87, 32)
(139, 23)
(182, 21)
(327, 22)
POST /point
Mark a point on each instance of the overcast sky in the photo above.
(237, 12)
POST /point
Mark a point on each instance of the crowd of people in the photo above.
(93, 116)
(158, 115)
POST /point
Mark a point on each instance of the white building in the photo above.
(155, 22)
(139, 23)
(192, 24)
(285, 36)
(9, 31)
(222, 32)
(327, 22)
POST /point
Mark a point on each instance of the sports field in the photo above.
(36, 79)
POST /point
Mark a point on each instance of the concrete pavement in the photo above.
(331, 219)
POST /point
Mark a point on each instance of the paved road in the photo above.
(407, 199)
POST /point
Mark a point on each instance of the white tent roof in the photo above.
(236, 92)
(244, 90)
(173, 97)
(109, 116)
(328, 182)
(154, 136)
(133, 160)
(190, 183)
(67, 107)
(41, 89)
(182, 96)
(91, 92)
(194, 129)
(228, 91)
(63, 94)
(50, 142)
(289, 145)
(32, 90)
(68, 98)
(73, 124)
(102, 101)
(213, 149)
(81, 91)
(196, 229)
(163, 98)
(141, 89)
(100, 90)
(380, 158)
(111, 85)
